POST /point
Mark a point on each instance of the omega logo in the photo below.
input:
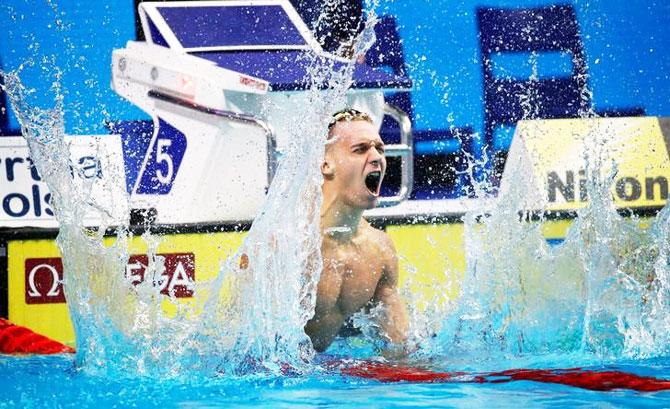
(34, 292)
(175, 276)
(43, 281)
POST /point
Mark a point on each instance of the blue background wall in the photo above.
(81, 36)
(625, 46)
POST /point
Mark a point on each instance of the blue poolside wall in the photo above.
(624, 49)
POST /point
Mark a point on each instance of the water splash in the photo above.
(603, 293)
(600, 295)
(252, 315)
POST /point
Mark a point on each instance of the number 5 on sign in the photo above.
(162, 156)
(162, 162)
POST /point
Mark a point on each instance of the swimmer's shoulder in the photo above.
(383, 246)
(380, 238)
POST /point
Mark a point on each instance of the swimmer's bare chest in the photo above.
(349, 278)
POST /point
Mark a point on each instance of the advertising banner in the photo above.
(38, 282)
(96, 163)
(551, 161)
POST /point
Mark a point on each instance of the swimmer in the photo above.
(360, 265)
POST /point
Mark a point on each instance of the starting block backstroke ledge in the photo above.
(205, 74)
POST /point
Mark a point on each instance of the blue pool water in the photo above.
(582, 300)
(53, 381)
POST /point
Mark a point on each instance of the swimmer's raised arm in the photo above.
(394, 322)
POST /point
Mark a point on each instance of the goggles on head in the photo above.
(348, 114)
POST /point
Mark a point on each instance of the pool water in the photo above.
(136, 357)
(53, 381)
(519, 299)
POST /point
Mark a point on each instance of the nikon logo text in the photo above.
(573, 187)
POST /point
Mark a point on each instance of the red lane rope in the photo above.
(588, 379)
(577, 377)
(15, 339)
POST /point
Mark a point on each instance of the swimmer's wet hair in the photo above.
(348, 114)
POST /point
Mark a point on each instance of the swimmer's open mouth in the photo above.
(372, 182)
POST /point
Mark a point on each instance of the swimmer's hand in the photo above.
(394, 352)
(398, 351)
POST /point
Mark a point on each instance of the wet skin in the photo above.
(360, 266)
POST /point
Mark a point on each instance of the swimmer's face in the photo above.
(354, 163)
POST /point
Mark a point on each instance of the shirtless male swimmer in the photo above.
(360, 266)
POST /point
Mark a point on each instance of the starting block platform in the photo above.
(221, 80)
(262, 39)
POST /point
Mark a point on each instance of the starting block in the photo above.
(220, 80)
